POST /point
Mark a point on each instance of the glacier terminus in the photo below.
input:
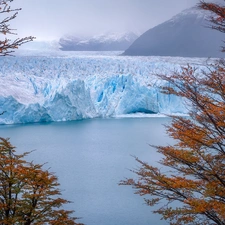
(65, 87)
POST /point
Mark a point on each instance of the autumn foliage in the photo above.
(217, 18)
(192, 190)
(28, 193)
(7, 46)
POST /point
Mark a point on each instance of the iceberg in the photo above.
(64, 87)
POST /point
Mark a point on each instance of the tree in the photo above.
(192, 191)
(217, 18)
(28, 193)
(7, 46)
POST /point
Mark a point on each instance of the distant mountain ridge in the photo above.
(102, 42)
(185, 35)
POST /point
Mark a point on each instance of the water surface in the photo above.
(90, 157)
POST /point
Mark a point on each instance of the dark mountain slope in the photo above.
(184, 35)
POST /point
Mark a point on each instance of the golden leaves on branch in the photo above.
(192, 191)
(28, 193)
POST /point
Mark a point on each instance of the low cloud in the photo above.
(51, 19)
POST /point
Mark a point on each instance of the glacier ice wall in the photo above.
(63, 88)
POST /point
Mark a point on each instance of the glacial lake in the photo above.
(90, 157)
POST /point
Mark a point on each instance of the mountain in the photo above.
(186, 35)
(103, 42)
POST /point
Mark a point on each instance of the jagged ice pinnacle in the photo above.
(73, 87)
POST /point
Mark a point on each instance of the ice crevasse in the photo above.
(50, 88)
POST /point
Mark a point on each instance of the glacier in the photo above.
(59, 86)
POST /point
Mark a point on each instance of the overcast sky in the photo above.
(51, 19)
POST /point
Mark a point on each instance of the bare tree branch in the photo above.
(8, 46)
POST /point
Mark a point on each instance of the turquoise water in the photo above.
(90, 157)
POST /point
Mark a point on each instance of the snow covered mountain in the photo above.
(184, 35)
(63, 88)
(103, 42)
